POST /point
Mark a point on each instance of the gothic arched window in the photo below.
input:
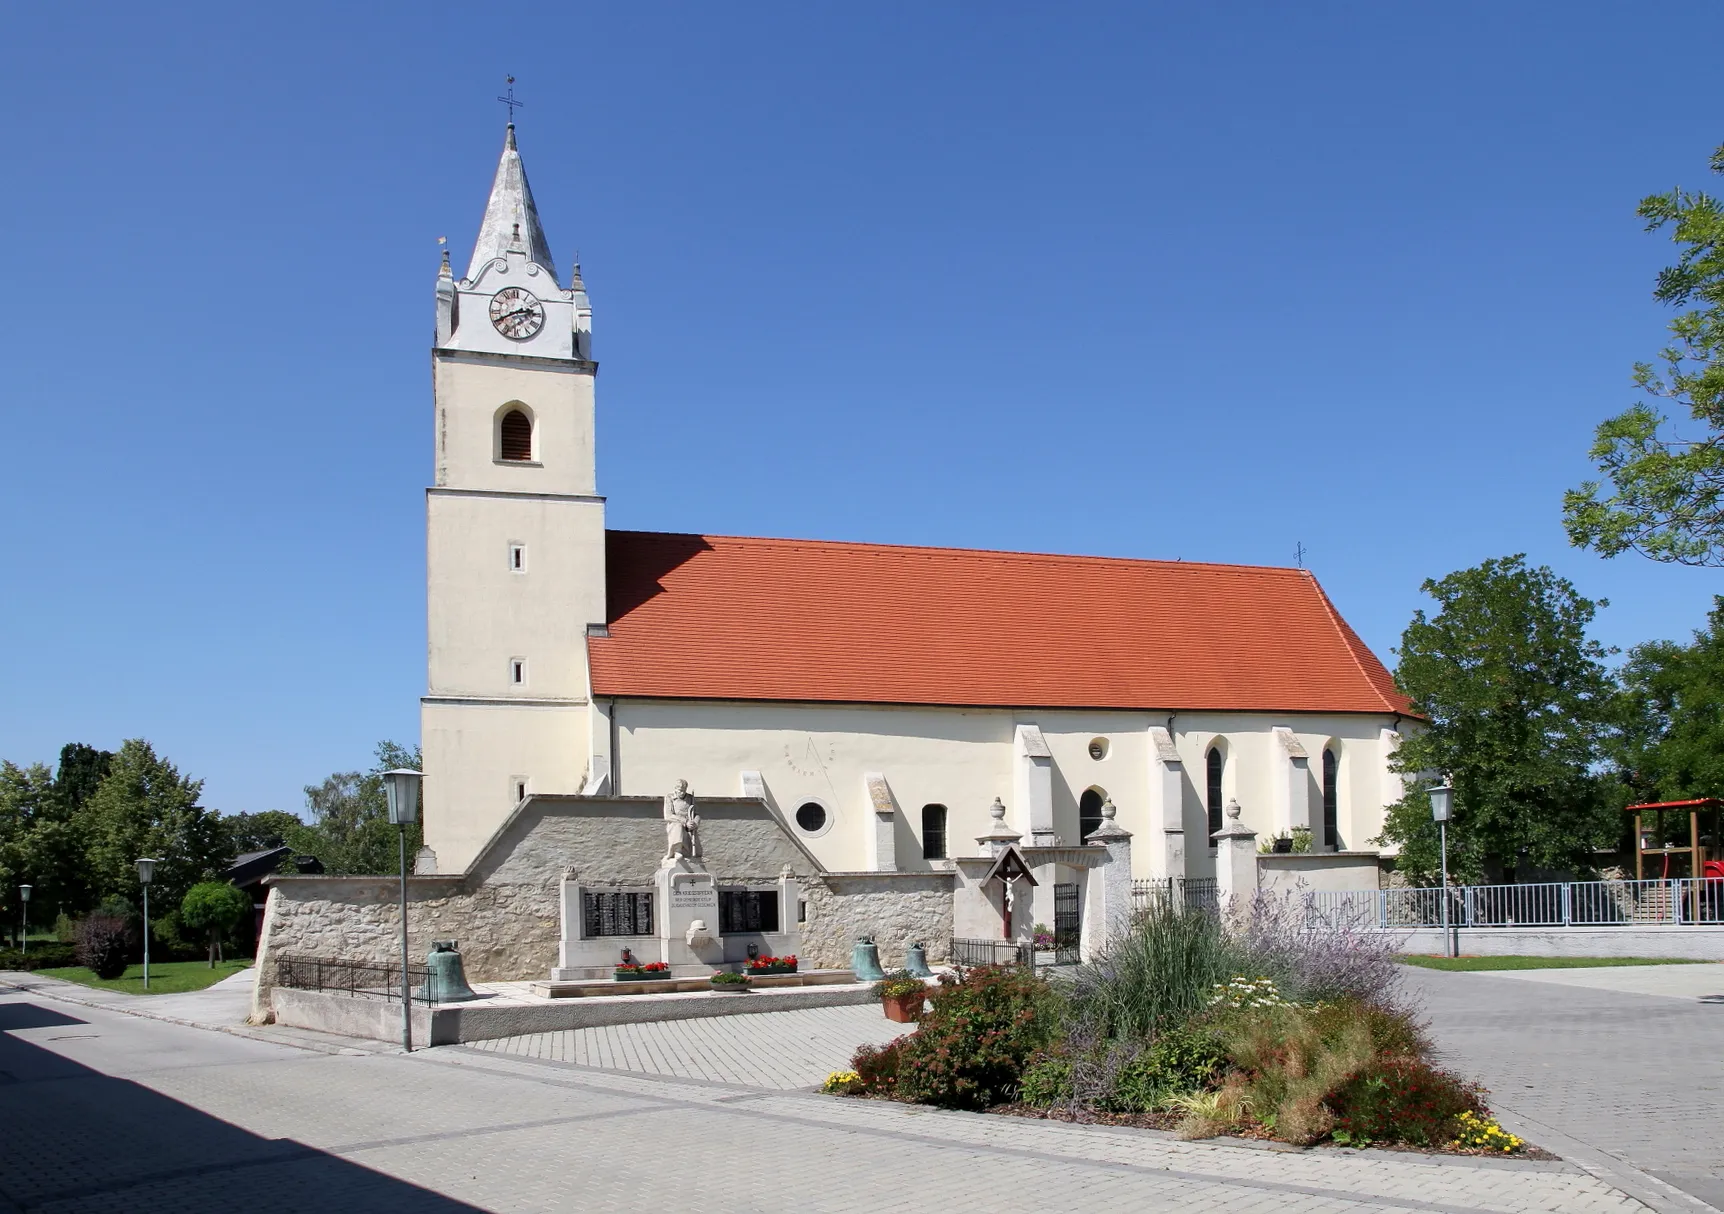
(1089, 812)
(1331, 799)
(517, 437)
(933, 832)
(1213, 799)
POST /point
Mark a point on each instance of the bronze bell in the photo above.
(448, 982)
(916, 961)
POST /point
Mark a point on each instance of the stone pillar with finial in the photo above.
(1235, 860)
(1000, 836)
(1107, 893)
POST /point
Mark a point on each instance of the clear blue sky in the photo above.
(1195, 281)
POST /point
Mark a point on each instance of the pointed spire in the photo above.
(510, 215)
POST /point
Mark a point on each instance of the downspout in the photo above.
(616, 759)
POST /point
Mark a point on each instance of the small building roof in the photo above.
(724, 617)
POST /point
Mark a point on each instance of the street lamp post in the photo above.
(24, 937)
(146, 871)
(401, 787)
(1442, 805)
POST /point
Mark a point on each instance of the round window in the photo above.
(811, 817)
(1098, 748)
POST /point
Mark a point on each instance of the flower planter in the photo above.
(640, 976)
(904, 1009)
(754, 970)
(729, 988)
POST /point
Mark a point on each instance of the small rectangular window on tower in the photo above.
(517, 558)
(520, 789)
(518, 671)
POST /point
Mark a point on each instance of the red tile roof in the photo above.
(718, 617)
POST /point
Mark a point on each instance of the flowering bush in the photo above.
(772, 965)
(728, 978)
(1483, 1133)
(1043, 936)
(899, 984)
(1403, 1100)
(842, 1083)
(876, 1068)
(976, 1037)
(1342, 955)
(1247, 993)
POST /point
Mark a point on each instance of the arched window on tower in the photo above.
(516, 437)
(1331, 799)
(1089, 812)
(933, 832)
(1213, 797)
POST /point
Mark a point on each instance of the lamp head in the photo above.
(401, 788)
(24, 893)
(1442, 802)
(146, 871)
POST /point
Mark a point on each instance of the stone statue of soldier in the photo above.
(682, 824)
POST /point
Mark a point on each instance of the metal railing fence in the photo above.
(1192, 893)
(967, 953)
(1673, 901)
(377, 980)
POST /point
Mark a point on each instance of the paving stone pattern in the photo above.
(1640, 1076)
(780, 1050)
(104, 1111)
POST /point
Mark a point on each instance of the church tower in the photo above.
(515, 529)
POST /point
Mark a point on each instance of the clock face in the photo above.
(516, 313)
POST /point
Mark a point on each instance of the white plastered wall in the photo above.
(963, 759)
(473, 754)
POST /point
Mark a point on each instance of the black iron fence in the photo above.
(370, 979)
(967, 953)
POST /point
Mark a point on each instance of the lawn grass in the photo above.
(1540, 963)
(166, 977)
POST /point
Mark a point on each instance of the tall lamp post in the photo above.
(401, 787)
(24, 938)
(1442, 805)
(146, 871)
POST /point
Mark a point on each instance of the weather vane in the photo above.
(1299, 551)
(508, 98)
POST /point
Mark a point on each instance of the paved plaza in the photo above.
(101, 1110)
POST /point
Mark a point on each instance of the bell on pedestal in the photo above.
(916, 961)
(865, 960)
(448, 983)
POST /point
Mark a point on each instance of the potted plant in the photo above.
(902, 994)
(630, 971)
(772, 965)
(727, 982)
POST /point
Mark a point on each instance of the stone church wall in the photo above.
(504, 909)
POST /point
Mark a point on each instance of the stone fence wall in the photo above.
(505, 909)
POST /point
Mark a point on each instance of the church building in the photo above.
(878, 699)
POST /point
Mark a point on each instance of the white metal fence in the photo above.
(1549, 904)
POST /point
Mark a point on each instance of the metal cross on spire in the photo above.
(508, 99)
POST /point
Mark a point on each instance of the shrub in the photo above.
(104, 945)
(1046, 1079)
(970, 1050)
(1347, 957)
(728, 978)
(1158, 974)
(1394, 1033)
(1289, 1065)
(876, 1068)
(842, 1083)
(40, 957)
(1403, 1100)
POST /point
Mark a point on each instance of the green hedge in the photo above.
(47, 955)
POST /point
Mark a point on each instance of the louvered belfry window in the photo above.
(517, 436)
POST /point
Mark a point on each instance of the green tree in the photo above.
(1669, 744)
(1668, 485)
(350, 831)
(214, 907)
(143, 807)
(1517, 701)
(260, 831)
(26, 794)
